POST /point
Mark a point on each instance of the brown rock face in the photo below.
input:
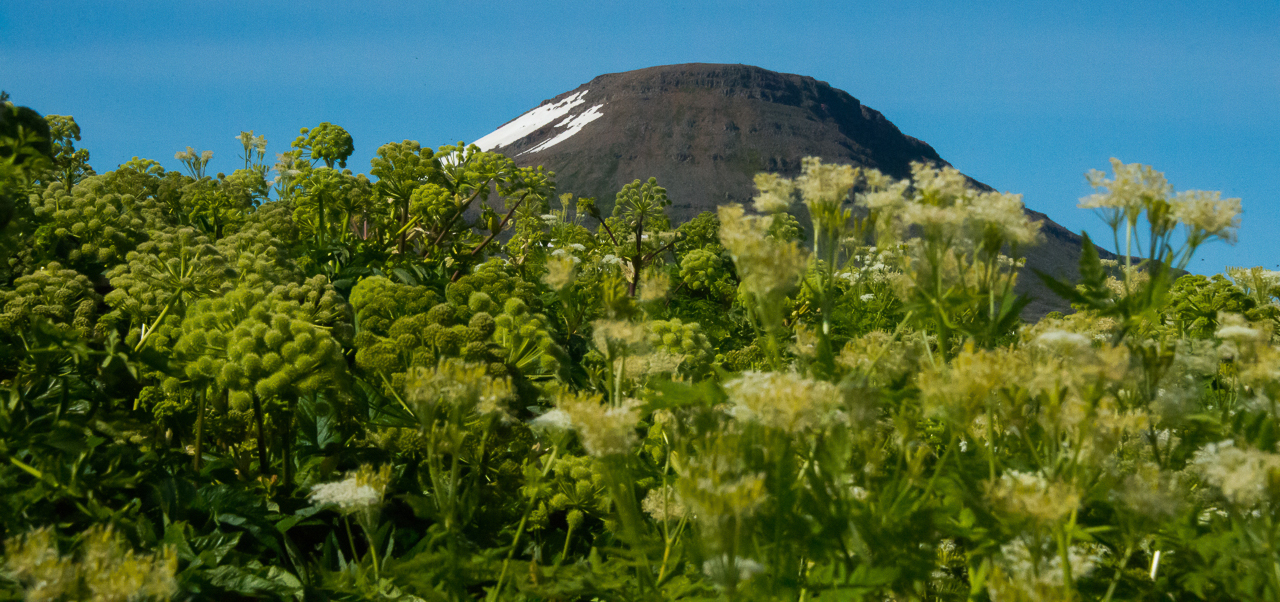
(705, 130)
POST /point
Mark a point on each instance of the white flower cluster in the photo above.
(605, 430)
(362, 490)
(783, 400)
(727, 572)
(1243, 474)
(766, 266)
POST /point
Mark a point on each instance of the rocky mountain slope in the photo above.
(705, 130)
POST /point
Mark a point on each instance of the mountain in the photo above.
(705, 130)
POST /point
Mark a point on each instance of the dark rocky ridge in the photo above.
(705, 130)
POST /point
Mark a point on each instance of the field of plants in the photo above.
(446, 381)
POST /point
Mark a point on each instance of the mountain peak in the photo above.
(704, 131)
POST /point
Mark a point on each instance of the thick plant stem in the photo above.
(287, 442)
(515, 543)
(263, 459)
(199, 458)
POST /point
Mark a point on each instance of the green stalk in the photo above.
(199, 459)
(1115, 579)
(263, 465)
(515, 543)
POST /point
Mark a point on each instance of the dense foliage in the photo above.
(445, 382)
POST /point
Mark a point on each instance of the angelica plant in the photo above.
(161, 278)
(71, 164)
(249, 347)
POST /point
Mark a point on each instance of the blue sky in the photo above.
(1025, 96)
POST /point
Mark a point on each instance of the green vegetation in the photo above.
(209, 379)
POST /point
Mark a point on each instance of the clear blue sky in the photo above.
(1023, 95)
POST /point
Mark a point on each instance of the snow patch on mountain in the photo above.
(536, 119)
(574, 125)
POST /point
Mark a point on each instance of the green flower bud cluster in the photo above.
(329, 200)
(326, 142)
(700, 267)
(785, 227)
(526, 339)
(163, 275)
(682, 339)
(409, 442)
(261, 249)
(91, 226)
(251, 342)
(275, 217)
(378, 302)
(217, 205)
(62, 296)
(1196, 302)
(321, 304)
(577, 487)
(433, 204)
(251, 182)
(495, 278)
(421, 339)
(746, 358)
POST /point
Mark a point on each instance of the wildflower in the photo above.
(604, 430)
(775, 193)
(1207, 215)
(362, 490)
(1030, 495)
(825, 183)
(462, 386)
(1150, 492)
(560, 271)
(556, 420)
(618, 337)
(866, 298)
(1061, 339)
(106, 571)
(33, 559)
(781, 400)
(113, 573)
(1134, 188)
(716, 486)
(1242, 474)
(663, 505)
(655, 287)
(766, 266)
(1035, 572)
